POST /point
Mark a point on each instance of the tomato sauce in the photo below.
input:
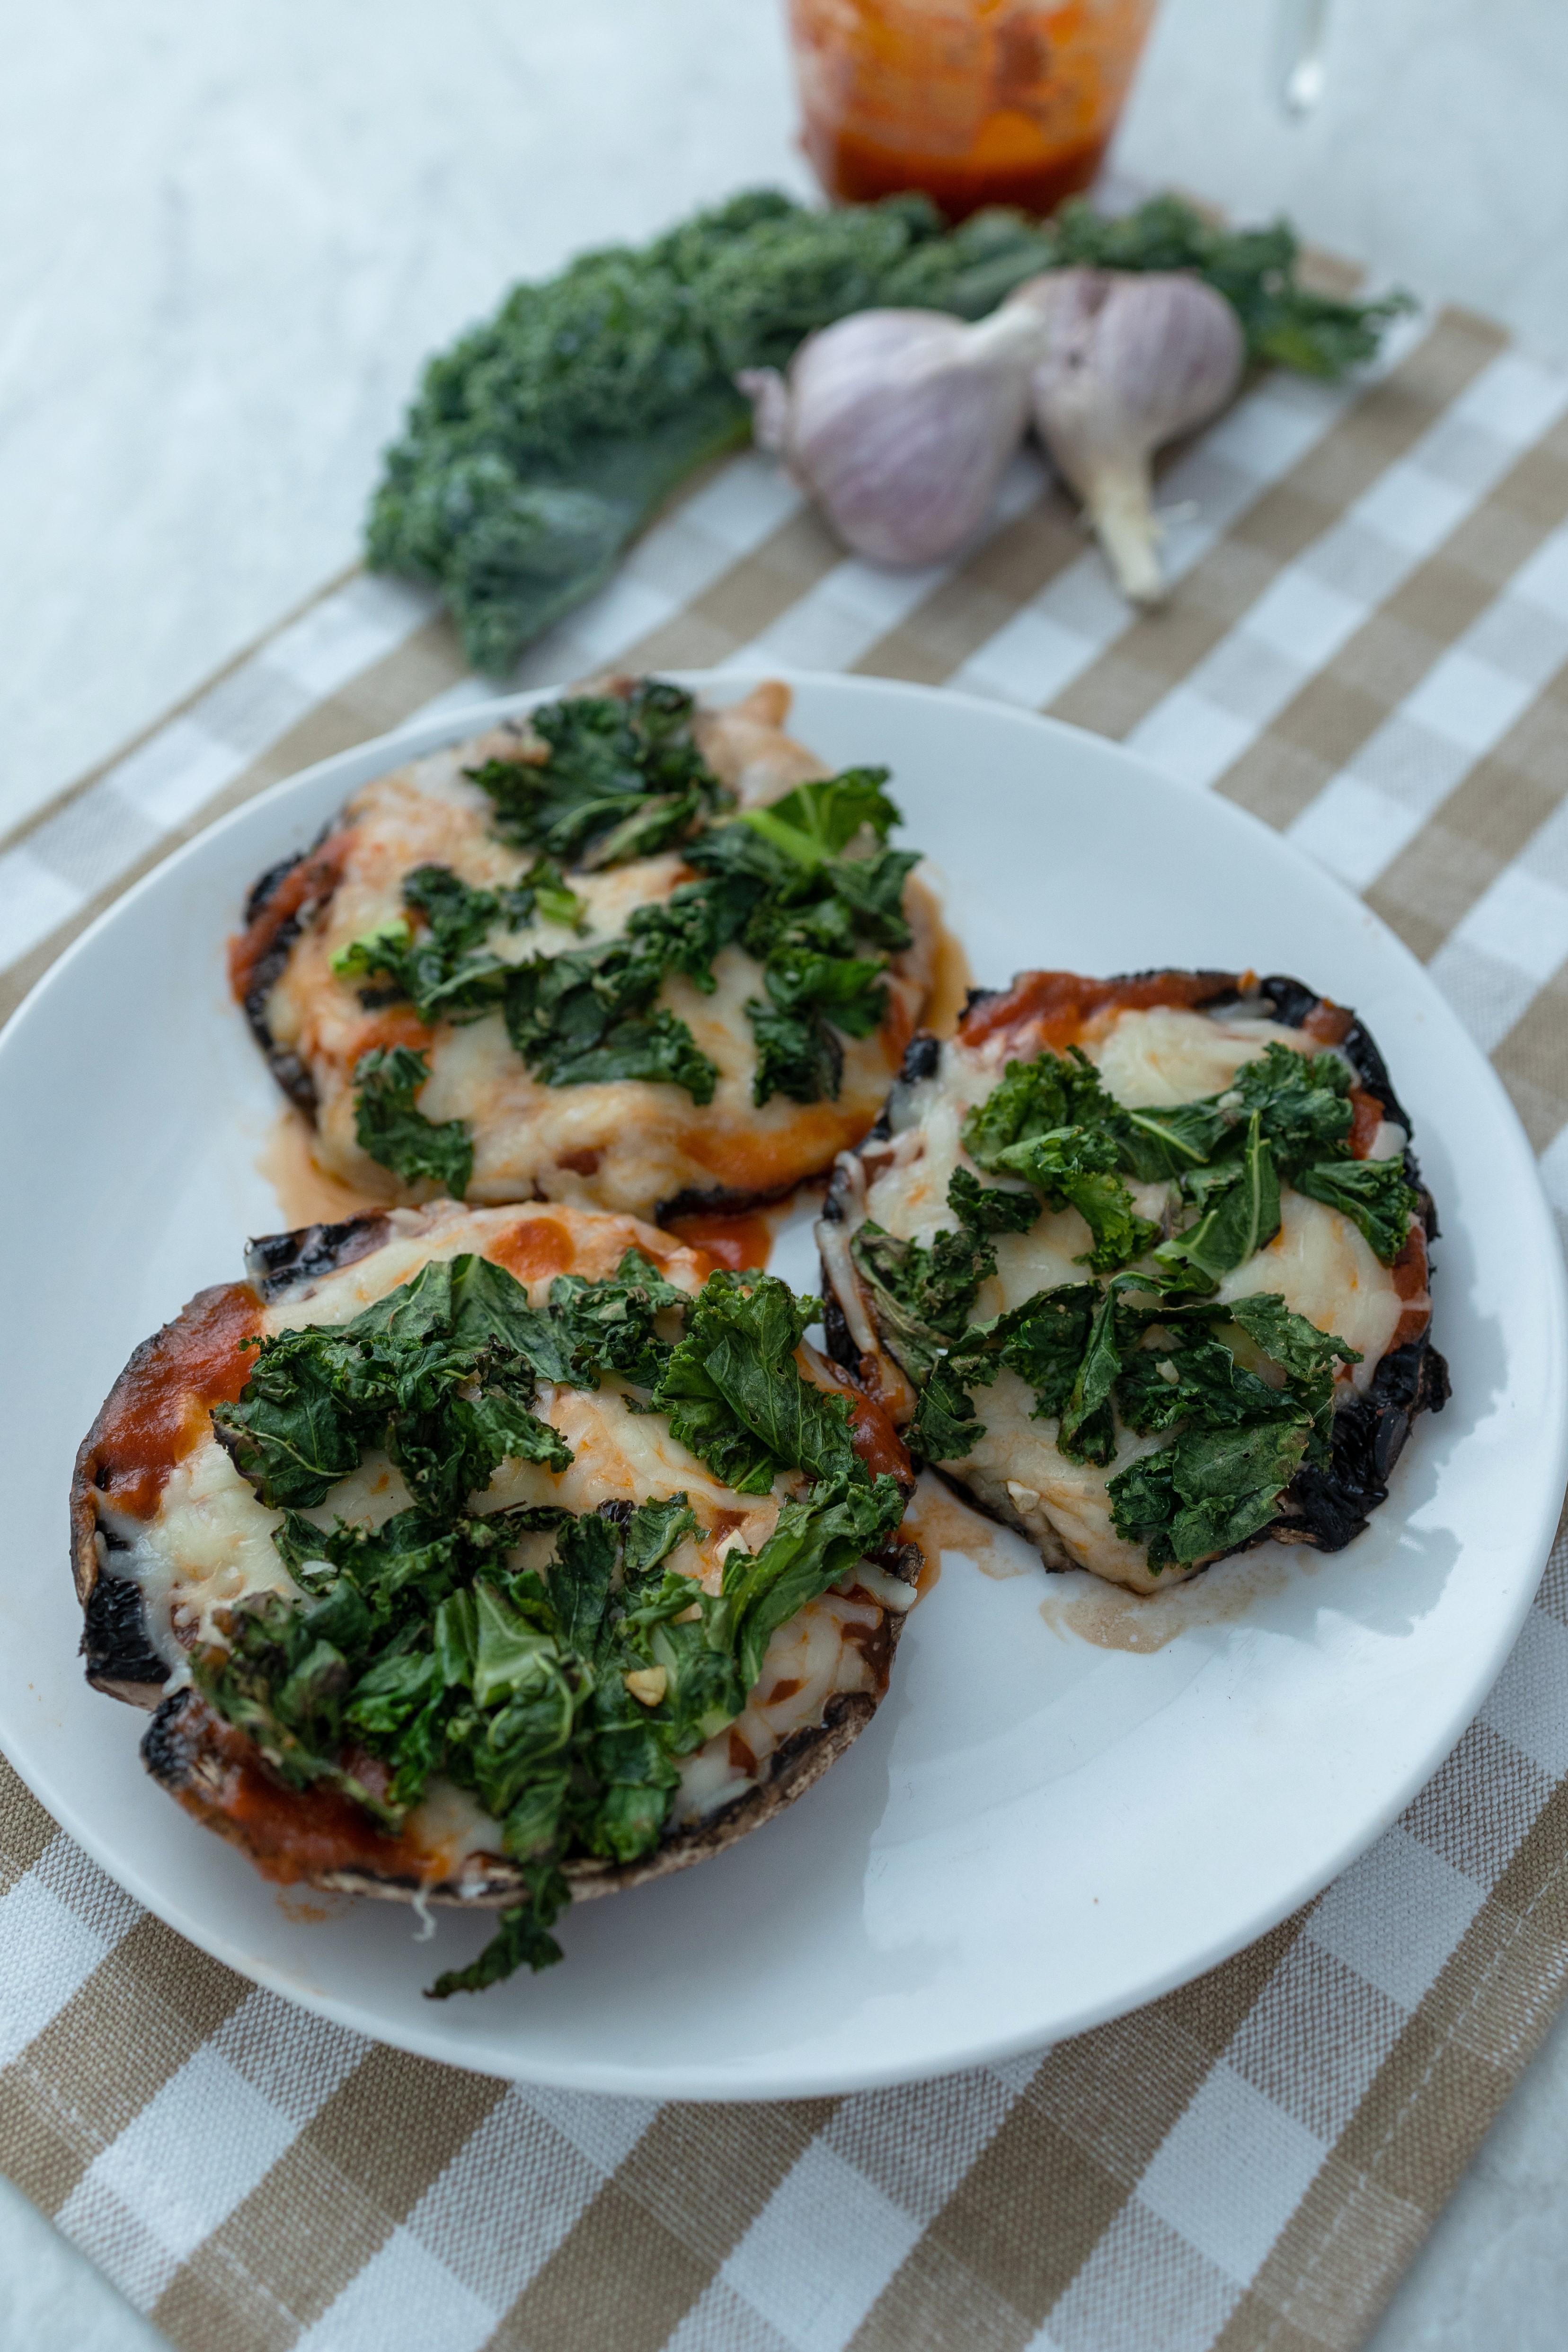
(291, 1834)
(872, 1434)
(394, 1027)
(1365, 1119)
(740, 1242)
(972, 101)
(1411, 1279)
(533, 1249)
(157, 1411)
(1053, 1007)
(1328, 1024)
(860, 170)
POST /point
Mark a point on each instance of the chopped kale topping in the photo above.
(624, 777)
(446, 970)
(389, 1128)
(1373, 1193)
(561, 1693)
(1243, 1391)
(1051, 1122)
(991, 1208)
(923, 1290)
(735, 1397)
(807, 886)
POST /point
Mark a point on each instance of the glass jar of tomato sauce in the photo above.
(974, 101)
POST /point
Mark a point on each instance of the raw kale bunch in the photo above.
(1146, 1346)
(541, 439)
(562, 1701)
(807, 886)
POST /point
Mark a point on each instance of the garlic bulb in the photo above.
(900, 424)
(1132, 359)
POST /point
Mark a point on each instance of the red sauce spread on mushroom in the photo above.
(392, 1028)
(291, 1833)
(1410, 1282)
(738, 1242)
(314, 877)
(1367, 1117)
(158, 1408)
(1329, 1023)
(1053, 1006)
(872, 1434)
(538, 1247)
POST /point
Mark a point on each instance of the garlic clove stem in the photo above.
(1132, 361)
(1119, 504)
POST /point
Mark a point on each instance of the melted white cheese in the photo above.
(1166, 1055)
(209, 1546)
(1322, 1267)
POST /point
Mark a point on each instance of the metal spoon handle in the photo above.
(1300, 37)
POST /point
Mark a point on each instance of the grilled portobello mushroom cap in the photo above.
(1144, 1032)
(168, 1538)
(632, 1119)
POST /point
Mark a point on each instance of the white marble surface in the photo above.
(227, 234)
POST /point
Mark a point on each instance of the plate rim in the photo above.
(414, 738)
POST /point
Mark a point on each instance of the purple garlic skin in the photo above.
(1132, 359)
(900, 424)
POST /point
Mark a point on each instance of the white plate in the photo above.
(1036, 1833)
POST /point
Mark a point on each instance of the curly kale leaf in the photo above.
(817, 821)
(735, 1395)
(651, 1534)
(1034, 1100)
(319, 1397)
(472, 1302)
(1156, 1145)
(608, 1327)
(623, 776)
(1373, 1193)
(1198, 1380)
(587, 1017)
(1207, 1491)
(445, 970)
(1298, 1347)
(922, 1291)
(946, 1427)
(1302, 1103)
(991, 1208)
(1073, 1168)
(1302, 1100)
(811, 997)
(392, 1131)
(1087, 1431)
(1244, 1219)
(522, 1938)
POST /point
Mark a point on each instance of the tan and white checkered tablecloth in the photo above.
(1369, 647)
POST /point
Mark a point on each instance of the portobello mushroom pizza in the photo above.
(490, 1556)
(623, 953)
(1141, 1265)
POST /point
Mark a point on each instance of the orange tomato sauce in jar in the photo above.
(973, 101)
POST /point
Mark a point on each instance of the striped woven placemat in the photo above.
(1369, 647)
